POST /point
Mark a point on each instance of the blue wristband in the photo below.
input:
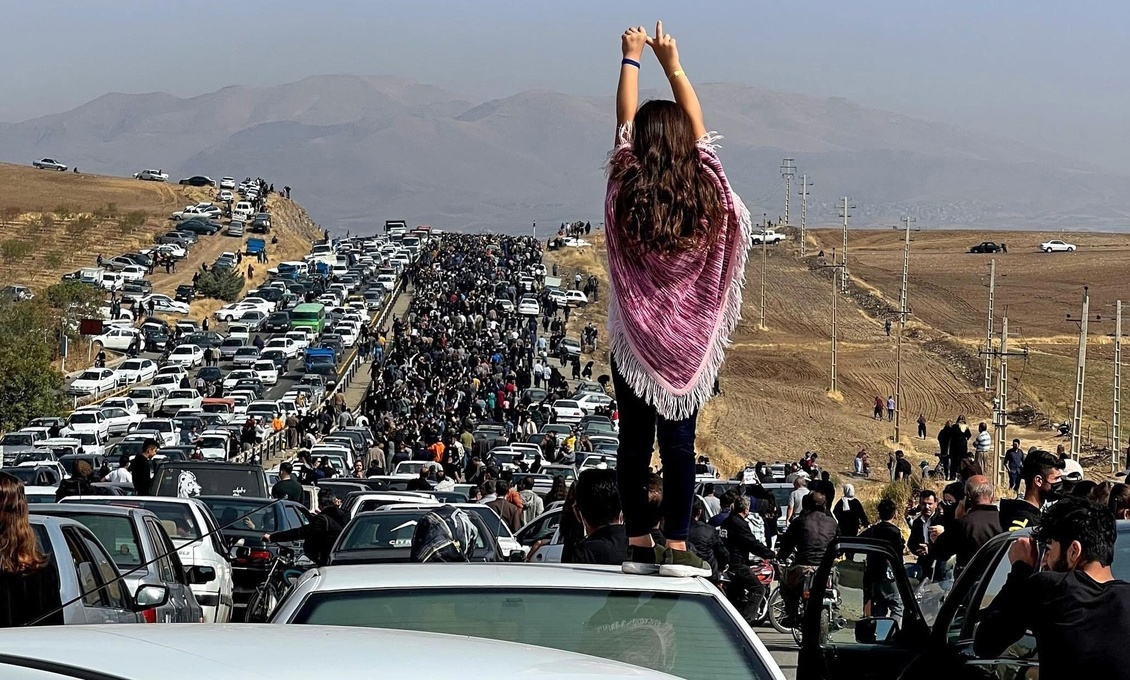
(630, 62)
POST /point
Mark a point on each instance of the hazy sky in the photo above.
(1048, 73)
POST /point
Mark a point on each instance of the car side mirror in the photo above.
(200, 575)
(148, 597)
(876, 630)
(516, 556)
(237, 549)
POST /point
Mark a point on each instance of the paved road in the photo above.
(782, 647)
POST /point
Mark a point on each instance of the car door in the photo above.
(854, 645)
(104, 595)
(182, 606)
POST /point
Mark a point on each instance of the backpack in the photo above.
(445, 534)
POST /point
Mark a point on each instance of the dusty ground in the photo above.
(776, 404)
(40, 208)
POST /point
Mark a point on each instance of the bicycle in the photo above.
(268, 594)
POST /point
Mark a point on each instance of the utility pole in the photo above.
(1000, 403)
(902, 312)
(803, 210)
(989, 324)
(788, 171)
(833, 386)
(764, 263)
(1081, 373)
(845, 213)
(1116, 415)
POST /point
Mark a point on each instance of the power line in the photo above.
(803, 210)
(845, 213)
(788, 171)
(1081, 372)
(902, 313)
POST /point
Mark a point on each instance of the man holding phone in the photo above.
(1075, 608)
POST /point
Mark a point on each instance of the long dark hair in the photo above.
(666, 201)
(19, 551)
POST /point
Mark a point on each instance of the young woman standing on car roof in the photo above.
(677, 242)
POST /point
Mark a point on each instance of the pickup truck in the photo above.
(320, 355)
(255, 246)
(768, 236)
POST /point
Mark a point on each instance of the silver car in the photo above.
(143, 552)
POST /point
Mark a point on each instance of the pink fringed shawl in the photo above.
(671, 316)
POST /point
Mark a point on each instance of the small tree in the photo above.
(109, 212)
(131, 221)
(46, 221)
(222, 284)
(54, 259)
(80, 227)
(64, 211)
(11, 213)
(73, 300)
(30, 385)
(13, 250)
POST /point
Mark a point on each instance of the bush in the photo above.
(131, 221)
(11, 213)
(222, 284)
(13, 250)
(54, 259)
(64, 211)
(30, 384)
(80, 227)
(109, 212)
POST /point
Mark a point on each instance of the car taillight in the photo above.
(259, 555)
(150, 615)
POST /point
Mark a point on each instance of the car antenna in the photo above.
(162, 556)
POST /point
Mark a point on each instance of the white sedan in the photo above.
(164, 304)
(89, 420)
(93, 381)
(182, 399)
(227, 182)
(300, 338)
(120, 420)
(589, 401)
(187, 355)
(136, 371)
(1057, 246)
(568, 411)
(529, 307)
(266, 371)
(133, 272)
(116, 339)
(49, 164)
(235, 376)
(287, 345)
(152, 175)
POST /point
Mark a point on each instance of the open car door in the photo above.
(861, 621)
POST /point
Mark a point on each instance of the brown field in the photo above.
(41, 208)
(776, 405)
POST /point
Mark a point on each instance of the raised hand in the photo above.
(633, 41)
(664, 47)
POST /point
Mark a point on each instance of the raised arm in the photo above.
(628, 91)
(668, 55)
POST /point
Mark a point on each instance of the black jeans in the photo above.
(742, 581)
(639, 427)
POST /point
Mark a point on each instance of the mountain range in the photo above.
(359, 150)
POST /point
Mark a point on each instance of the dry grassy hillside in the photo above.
(775, 403)
(55, 222)
(948, 293)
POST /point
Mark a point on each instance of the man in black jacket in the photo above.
(139, 468)
(740, 542)
(1042, 472)
(1074, 606)
(977, 520)
(321, 533)
(706, 542)
(809, 535)
(918, 544)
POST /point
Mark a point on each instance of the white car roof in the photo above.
(499, 575)
(228, 650)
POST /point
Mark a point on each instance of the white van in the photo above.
(242, 211)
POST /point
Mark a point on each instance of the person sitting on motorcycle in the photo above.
(809, 536)
(740, 542)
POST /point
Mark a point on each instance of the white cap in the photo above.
(1073, 471)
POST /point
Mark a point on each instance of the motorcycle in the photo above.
(831, 619)
(765, 571)
(284, 572)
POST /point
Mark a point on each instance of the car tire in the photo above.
(1047, 250)
(1071, 249)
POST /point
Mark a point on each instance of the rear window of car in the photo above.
(689, 636)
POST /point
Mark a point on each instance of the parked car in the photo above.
(149, 400)
(152, 175)
(133, 371)
(142, 550)
(1057, 246)
(85, 568)
(199, 181)
(193, 531)
(182, 399)
(93, 381)
(187, 355)
(235, 228)
(118, 338)
(985, 247)
(164, 304)
(263, 516)
(565, 607)
(49, 164)
(568, 411)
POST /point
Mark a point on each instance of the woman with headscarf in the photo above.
(849, 513)
(29, 582)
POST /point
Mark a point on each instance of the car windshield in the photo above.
(80, 417)
(34, 456)
(17, 439)
(689, 636)
(90, 375)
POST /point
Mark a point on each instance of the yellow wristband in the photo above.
(676, 74)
